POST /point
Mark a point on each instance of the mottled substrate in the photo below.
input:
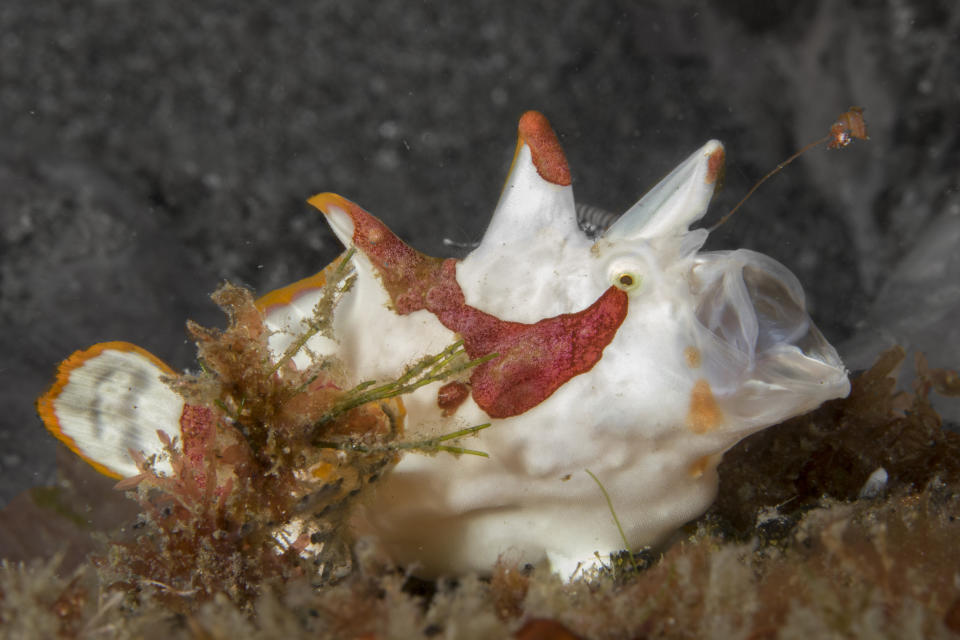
(794, 547)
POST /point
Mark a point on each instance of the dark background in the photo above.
(150, 150)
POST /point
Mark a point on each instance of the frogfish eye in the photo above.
(627, 281)
(633, 270)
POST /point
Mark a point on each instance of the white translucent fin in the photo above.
(108, 400)
(675, 202)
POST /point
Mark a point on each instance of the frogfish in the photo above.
(631, 355)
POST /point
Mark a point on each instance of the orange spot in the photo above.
(323, 471)
(692, 355)
(548, 157)
(704, 414)
(715, 164)
(46, 404)
(374, 235)
(700, 466)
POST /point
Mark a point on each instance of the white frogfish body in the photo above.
(634, 356)
(713, 346)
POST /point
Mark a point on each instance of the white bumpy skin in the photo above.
(714, 347)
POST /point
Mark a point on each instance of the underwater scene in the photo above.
(479, 320)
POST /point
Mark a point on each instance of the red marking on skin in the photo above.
(534, 359)
(715, 165)
(548, 156)
(451, 395)
(406, 273)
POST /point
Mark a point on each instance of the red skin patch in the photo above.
(534, 359)
(548, 157)
(451, 395)
(715, 164)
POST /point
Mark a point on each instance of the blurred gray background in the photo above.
(149, 151)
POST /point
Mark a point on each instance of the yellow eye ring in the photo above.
(627, 281)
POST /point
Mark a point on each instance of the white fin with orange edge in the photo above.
(109, 400)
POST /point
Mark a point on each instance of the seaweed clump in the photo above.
(271, 461)
(875, 441)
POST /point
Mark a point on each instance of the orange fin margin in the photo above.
(45, 403)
